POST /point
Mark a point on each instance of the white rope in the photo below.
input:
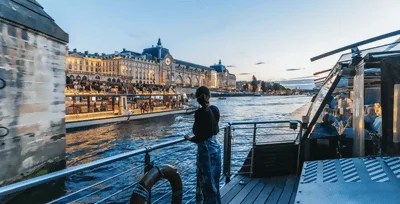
(141, 190)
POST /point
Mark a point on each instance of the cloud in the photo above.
(243, 74)
(259, 63)
(304, 77)
(231, 65)
(295, 69)
(136, 35)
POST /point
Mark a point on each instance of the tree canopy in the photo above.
(254, 84)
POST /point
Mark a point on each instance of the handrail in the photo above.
(263, 122)
(23, 185)
(228, 144)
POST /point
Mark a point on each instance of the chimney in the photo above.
(123, 50)
(96, 54)
(75, 50)
(86, 52)
(152, 46)
(116, 52)
(103, 54)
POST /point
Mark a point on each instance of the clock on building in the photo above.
(168, 61)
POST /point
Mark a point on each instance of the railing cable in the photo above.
(100, 182)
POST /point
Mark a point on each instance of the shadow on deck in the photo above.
(279, 189)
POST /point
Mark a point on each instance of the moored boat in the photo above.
(90, 109)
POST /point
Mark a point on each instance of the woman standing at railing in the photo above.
(205, 128)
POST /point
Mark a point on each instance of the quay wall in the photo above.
(32, 100)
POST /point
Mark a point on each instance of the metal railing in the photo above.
(240, 138)
(122, 181)
(119, 179)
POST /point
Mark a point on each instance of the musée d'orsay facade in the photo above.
(154, 65)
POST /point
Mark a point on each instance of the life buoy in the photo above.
(2, 83)
(140, 194)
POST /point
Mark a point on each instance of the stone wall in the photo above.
(32, 104)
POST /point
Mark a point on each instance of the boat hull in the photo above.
(101, 121)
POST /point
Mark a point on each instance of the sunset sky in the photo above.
(273, 40)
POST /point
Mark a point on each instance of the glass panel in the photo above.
(321, 99)
(69, 105)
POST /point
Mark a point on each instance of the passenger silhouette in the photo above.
(205, 128)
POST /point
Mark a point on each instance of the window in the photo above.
(87, 67)
(69, 66)
(91, 69)
(80, 67)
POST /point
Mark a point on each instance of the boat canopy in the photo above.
(367, 77)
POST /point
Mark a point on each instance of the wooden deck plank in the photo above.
(253, 194)
(234, 191)
(293, 197)
(225, 189)
(277, 191)
(288, 190)
(269, 186)
(245, 191)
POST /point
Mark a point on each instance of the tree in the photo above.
(254, 84)
(276, 86)
(264, 86)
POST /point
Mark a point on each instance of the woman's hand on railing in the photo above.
(188, 137)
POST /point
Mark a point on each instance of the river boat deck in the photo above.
(242, 189)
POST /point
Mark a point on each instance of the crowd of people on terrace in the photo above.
(116, 87)
(337, 119)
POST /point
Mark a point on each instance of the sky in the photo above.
(273, 40)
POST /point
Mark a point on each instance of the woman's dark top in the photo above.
(205, 125)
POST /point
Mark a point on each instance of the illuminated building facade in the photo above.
(154, 65)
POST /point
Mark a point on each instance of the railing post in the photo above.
(299, 150)
(227, 154)
(147, 166)
(253, 150)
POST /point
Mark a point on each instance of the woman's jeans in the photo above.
(208, 171)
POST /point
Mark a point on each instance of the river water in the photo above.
(84, 146)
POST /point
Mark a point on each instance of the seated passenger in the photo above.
(369, 119)
(378, 125)
(349, 132)
(325, 128)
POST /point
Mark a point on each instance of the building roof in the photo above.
(30, 14)
(85, 54)
(124, 54)
(219, 67)
(156, 52)
(192, 65)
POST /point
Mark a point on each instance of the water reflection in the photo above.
(88, 145)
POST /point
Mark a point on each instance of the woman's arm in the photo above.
(195, 130)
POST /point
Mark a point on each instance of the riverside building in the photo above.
(154, 66)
